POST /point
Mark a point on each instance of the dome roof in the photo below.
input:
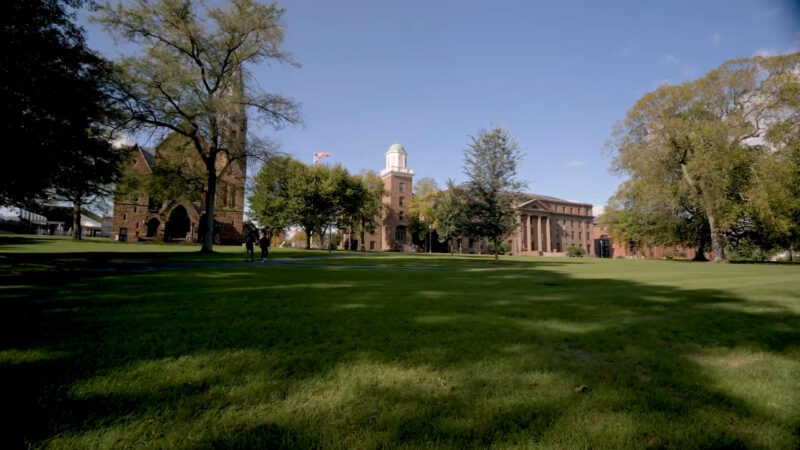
(397, 148)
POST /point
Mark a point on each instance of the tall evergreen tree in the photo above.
(491, 162)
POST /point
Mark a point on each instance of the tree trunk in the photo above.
(791, 253)
(308, 240)
(496, 250)
(77, 231)
(363, 248)
(716, 240)
(211, 194)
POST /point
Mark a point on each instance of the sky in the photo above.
(556, 75)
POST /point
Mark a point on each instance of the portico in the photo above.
(534, 236)
(548, 226)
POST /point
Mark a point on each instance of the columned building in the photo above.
(545, 225)
(548, 225)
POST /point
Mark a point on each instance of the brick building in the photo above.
(607, 247)
(389, 232)
(546, 225)
(180, 219)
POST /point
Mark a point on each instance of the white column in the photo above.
(547, 234)
(539, 233)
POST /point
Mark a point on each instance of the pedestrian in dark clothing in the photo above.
(249, 244)
(264, 244)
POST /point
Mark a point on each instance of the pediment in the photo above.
(533, 204)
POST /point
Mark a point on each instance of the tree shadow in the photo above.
(457, 358)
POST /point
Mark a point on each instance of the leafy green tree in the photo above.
(697, 143)
(490, 162)
(422, 210)
(315, 198)
(639, 218)
(191, 77)
(775, 194)
(449, 214)
(56, 105)
(270, 202)
(372, 205)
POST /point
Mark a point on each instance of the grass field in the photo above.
(108, 345)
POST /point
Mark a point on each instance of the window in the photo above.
(401, 215)
(137, 224)
(372, 229)
(134, 208)
(152, 206)
(400, 234)
(402, 201)
(223, 197)
(572, 235)
(580, 235)
(372, 245)
(124, 216)
(402, 187)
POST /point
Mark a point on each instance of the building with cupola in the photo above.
(545, 225)
(389, 231)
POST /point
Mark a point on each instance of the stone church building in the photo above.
(546, 225)
(181, 219)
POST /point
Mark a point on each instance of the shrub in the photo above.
(575, 251)
(505, 247)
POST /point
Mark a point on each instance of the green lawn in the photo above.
(392, 350)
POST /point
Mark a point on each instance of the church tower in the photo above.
(397, 181)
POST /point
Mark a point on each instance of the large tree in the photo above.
(491, 162)
(697, 143)
(421, 212)
(270, 201)
(315, 198)
(450, 221)
(55, 95)
(372, 206)
(191, 76)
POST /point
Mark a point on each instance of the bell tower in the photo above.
(397, 181)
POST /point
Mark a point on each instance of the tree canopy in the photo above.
(191, 77)
(491, 162)
(315, 198)
(693, 153)
(57, 109)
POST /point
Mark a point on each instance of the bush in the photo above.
(505, 247)
(575, 251)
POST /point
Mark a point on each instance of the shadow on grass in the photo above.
(468, 357)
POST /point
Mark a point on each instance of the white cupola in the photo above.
(397, 160)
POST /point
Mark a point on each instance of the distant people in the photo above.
(264, 244)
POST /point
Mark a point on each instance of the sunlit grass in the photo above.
(402, 351)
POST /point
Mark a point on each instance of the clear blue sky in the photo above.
(557, 75)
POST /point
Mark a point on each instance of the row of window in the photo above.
(571, 234)
(572, 210)
(581, 223)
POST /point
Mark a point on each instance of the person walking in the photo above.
(249, 243)
(264, 244)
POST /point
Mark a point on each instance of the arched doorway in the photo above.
(152, 227)
(400, 234)
(178, 225)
